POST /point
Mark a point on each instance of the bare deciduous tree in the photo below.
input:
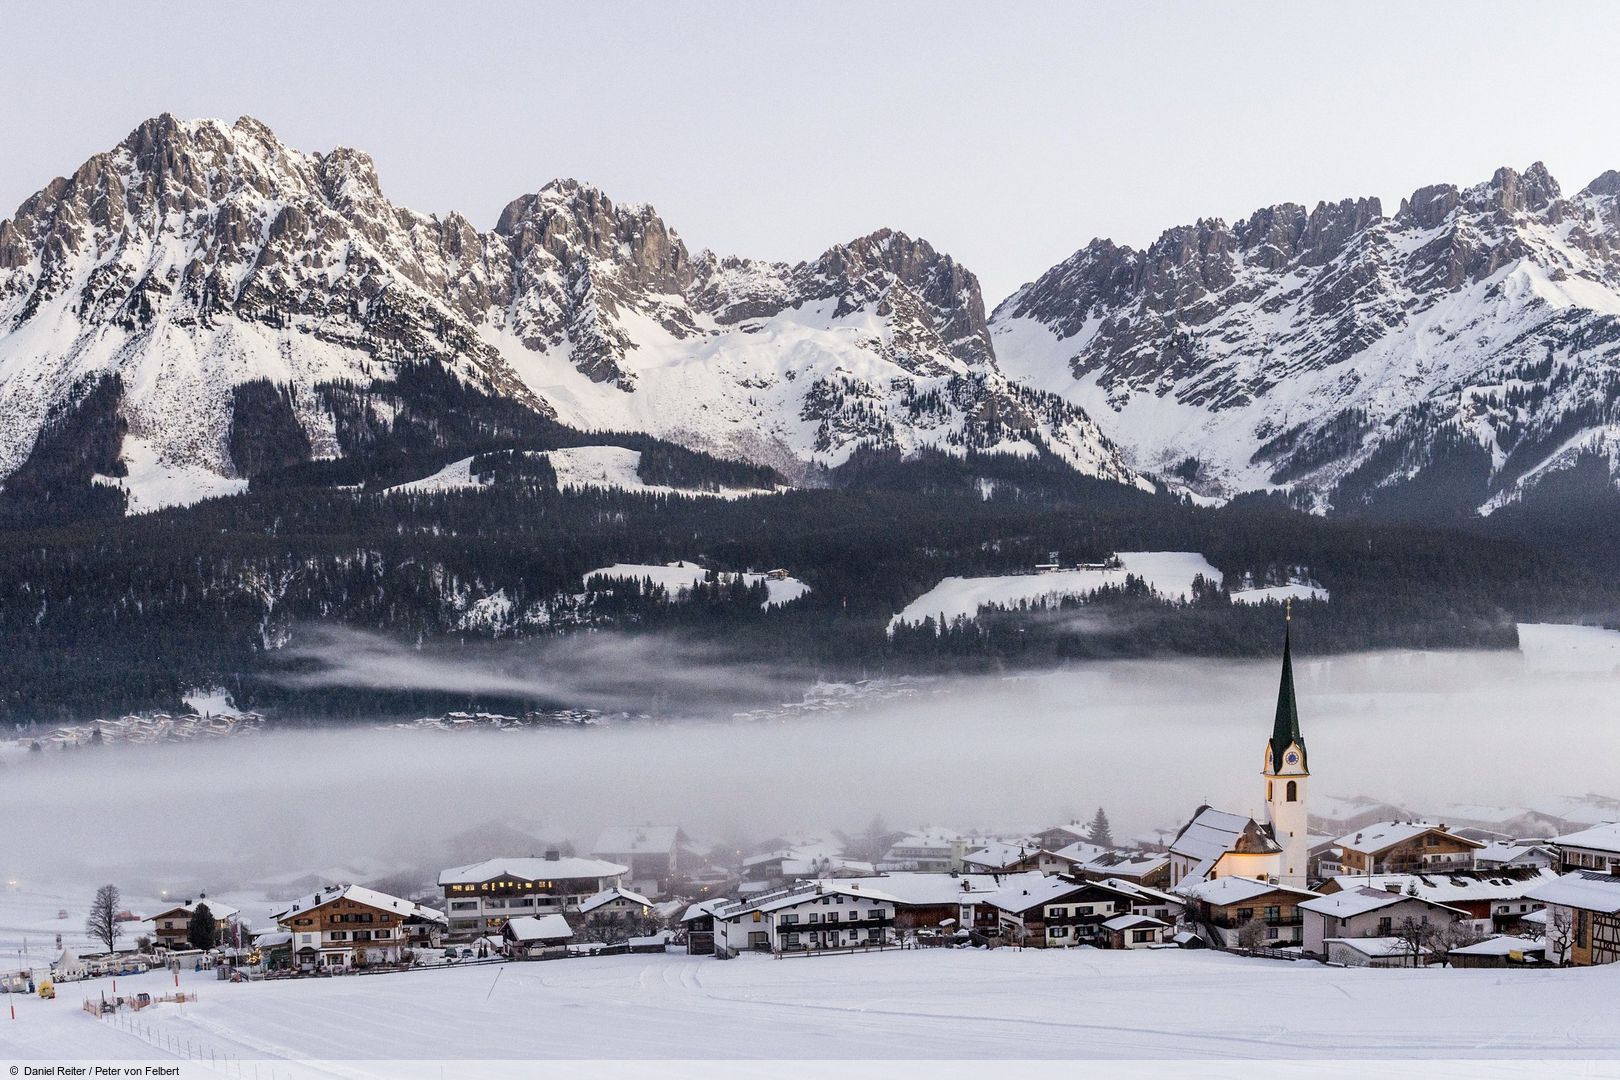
(102, 922)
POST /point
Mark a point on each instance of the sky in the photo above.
(1007, 134)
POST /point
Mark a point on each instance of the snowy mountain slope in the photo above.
(229, 302)
(1448, 356)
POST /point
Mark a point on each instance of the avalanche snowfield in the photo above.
(898, 1005)
(576, 467)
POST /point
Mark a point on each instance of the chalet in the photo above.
(807, 917)
(942, 901)
(1378, 952)
(1057, 912)
(1402, 847)
(1061, 836)
(937, 852)
(1583, 917)
(1516, 854)
(171, 927)
(1135, 931)
(1365, 913)
(1216, 844)
(616, 914)
(1001, 858)
(783, 866)
(482, 896)
(1226, 907)
(698, 922)
(536, 937)
(1335, 814)
(1504, 950)
(1496, 900)
(1597, 848)
(1150, 901)
(653, 854)
(345, 926)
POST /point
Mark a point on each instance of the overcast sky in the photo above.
(1008, 135)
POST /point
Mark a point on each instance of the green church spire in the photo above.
(1285, 729)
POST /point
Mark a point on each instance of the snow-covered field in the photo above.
(924, 1004)
(576, 467)
(676, 576)
(1170, 573)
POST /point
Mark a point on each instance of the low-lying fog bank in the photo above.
(1148, 740)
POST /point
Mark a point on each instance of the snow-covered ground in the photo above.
(1557, 647)
(576, 467)
(1170, 573)
(1279, 592)
(153, 484)
(677, 576)
(903, 1005)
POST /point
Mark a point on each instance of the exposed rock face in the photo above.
(231, 283)
(1448, 354)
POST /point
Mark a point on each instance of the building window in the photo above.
(1293, 791)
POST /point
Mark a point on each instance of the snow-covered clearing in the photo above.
(153, 484)
(1169, 573)
(902, 1005)
(1279, 592)
(576, 467)
(679, 576)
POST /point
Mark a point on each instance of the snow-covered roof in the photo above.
(1501, 945)
(271, 938)
(1027, 894)
(219, 911)
(1143, 892)
(646, 840)
(1604, 837)
(1502, 883)
(930, 890)
(1584, 889)
(704, 907)
(1132, 922)
(539, 928)
(1382, 835)
(565, 868)
(805, 892)
(663, 937)
(1212, 833)
(1125, 862)
(1232, 889)
(1506, 852)
(359, 894)
(1353, 901)
(996, 855)
(1080, 851)
(607, 896)
(1374, 946)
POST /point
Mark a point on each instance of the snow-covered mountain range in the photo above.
(1443, 359)
(203, 303)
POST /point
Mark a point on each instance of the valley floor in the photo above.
(927, 1004)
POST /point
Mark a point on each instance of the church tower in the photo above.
(1287, 776)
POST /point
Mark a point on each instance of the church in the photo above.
(1216, 843)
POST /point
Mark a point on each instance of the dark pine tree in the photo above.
(203, 929)
(1100, 832)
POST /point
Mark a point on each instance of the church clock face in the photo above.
(1292, 758)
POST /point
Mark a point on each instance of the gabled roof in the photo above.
(1357, 901)
(1503, 883)
(1501, 945)
(359, 894)
(806, 892)
(1126, 862)
(539, 928)
(1383, 835)
(1128, 921)
(704, 907)
(997, 855)
(1232, 889)
(565, 868)
(1604, 837)
(647, 840)
(1585, 889)
(1022, 896)
(219, 911)
(607, 896)
(1143, 892)
(1285, 726)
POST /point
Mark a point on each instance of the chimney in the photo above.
(552, 855)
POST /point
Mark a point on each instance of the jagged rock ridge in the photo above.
(1443, 359)
(237, 292)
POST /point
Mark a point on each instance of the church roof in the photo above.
(1285, 728)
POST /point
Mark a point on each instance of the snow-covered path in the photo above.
(926, 1004)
